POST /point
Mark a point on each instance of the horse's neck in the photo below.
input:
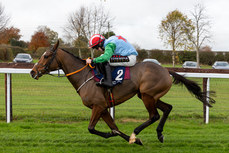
(71, 64)
(67, 61)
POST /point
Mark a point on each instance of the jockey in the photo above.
(114, 45)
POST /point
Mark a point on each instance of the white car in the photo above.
(190, 64)
(220, 65)
(23, 58)
(152, 60)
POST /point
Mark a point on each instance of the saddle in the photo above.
(118, 73)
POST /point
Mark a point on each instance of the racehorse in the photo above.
(148, 80)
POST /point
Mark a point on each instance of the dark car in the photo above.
(23, 58)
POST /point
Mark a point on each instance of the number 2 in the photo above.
(119, 74)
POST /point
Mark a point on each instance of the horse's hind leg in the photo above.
(165, 108)
(150, 105)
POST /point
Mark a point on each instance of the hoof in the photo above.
(161, 138)
(132, 138)
(139, 141)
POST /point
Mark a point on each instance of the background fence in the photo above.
(54, 99)
(44, 99)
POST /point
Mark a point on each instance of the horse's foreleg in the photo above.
(153, 115)
(110, 122)
(96, 114)
(166, 109)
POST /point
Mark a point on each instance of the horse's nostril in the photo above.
(32, 73)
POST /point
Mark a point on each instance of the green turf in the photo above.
(49, 117)
(180, 136)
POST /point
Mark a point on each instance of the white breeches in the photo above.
(132, 62)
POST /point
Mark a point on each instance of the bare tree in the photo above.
(87, 21)
(4, 19)
(200, 34)
(52, 35)
(76, 24)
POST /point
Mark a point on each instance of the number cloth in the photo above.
(119, 74)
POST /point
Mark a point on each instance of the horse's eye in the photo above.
(46, 56)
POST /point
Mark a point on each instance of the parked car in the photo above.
(220, 65)
(190, 64)
(152, 60)
(23, 58)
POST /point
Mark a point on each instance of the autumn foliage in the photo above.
(39, 39)
(8, 34)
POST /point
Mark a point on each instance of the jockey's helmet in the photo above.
(95, 40)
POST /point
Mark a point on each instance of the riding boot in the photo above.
(107, 76)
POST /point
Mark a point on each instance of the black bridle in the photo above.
(46, 68)
(47, 65)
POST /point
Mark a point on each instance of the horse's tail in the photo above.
(193, 88)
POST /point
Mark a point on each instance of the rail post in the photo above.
(8, 97)
(206, 88)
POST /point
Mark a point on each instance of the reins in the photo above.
(79, 70)
(69, 74)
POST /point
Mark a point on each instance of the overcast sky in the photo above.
(136, 20)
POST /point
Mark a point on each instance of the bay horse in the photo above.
(148, 80)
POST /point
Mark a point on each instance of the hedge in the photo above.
(7, 53)
(206, 58)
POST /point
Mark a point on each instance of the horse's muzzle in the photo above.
(34, 74)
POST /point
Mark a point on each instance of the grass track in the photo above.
(181, 136)
(50, 117)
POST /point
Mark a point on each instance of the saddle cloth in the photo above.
(118, 73)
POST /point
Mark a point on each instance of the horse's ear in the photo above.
(55, 46)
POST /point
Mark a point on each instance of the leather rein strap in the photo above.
(79, 70)
(69, 74)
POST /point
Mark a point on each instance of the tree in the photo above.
(39, 39)
(7, 34)
(4, 19)
(108, 34)
(88, 21)
(81, 41)
(52, 35)
(171, 31)
(206, 49)
(200, 34)
(85, 22)
(19, 43)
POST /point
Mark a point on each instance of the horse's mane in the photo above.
(76, 57)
